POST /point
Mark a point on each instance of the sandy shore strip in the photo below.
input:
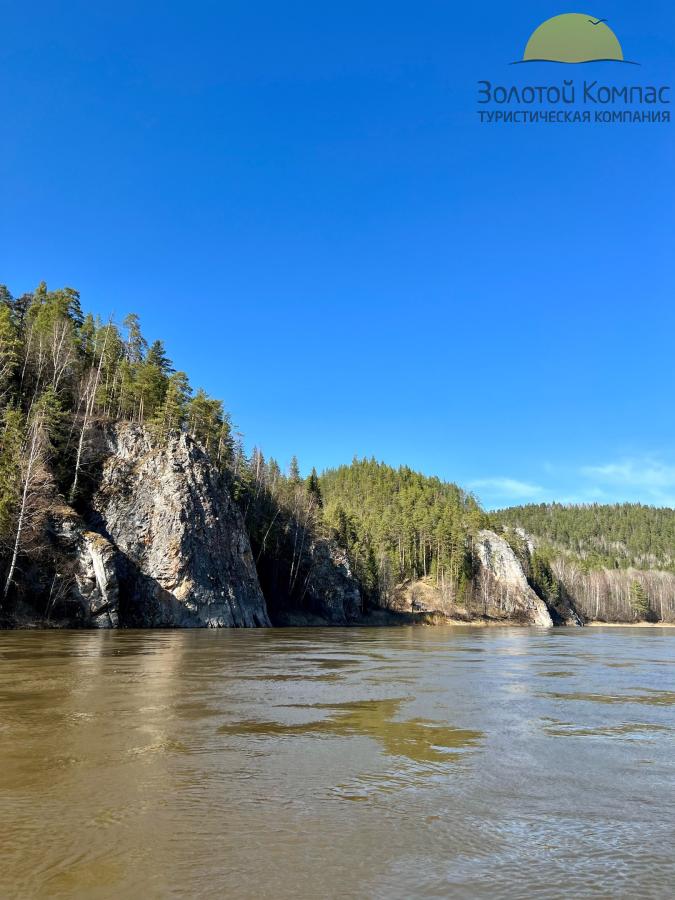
(630, 624)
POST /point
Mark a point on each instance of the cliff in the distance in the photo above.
(502, 584)
(615, 562)
(499, 592)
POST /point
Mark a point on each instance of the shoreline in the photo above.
(375, 619)
(630, 624)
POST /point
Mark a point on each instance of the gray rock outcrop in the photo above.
(331, 589)
(183, 555)
(87, 574)
(503, 582)
(97, 581)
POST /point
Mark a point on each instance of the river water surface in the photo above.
(393, 762)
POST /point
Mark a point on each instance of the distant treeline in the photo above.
(616, 536)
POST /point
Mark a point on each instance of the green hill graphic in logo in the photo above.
(573, 38)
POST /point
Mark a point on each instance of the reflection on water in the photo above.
(651, 698)
(634, 730)
(506, 762)
(417, 739)
(560, 674)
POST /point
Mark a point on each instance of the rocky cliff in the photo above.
(332, 589)
(87, 564)
(160, 544)
(183, 556)
(328, 592)
(503, 585)
(499, 591)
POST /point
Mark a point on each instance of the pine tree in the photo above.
(6, 298)
(87, 340)
(639, 600)
(312, 486)
(294, 471)
(136, 345)
(157, 357)
(171, 415)
(206, 423)
(152, 379)
(225, 452)
(20, 307)
(9, 350)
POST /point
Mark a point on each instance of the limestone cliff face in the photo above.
(503, 583)
(183, 557)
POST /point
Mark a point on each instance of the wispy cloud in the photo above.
(645, 478)
(635, 479)
(636, 472)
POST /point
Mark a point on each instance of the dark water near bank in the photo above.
(338, 763)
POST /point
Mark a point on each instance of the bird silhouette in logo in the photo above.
(599, 21)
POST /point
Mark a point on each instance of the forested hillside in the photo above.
(400, 524)
(615, 536)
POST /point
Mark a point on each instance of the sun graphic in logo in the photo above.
(573, 38)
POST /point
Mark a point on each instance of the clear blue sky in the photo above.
(300, 200)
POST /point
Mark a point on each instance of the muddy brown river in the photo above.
(393, 762)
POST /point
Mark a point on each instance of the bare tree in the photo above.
(91, 388)
(32, 465)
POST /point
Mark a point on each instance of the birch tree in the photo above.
(31, 463)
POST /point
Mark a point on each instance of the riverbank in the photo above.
(630, 624)
(376, 618)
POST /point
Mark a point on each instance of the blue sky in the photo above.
(300, 200)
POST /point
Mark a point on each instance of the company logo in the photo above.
(574, 38)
